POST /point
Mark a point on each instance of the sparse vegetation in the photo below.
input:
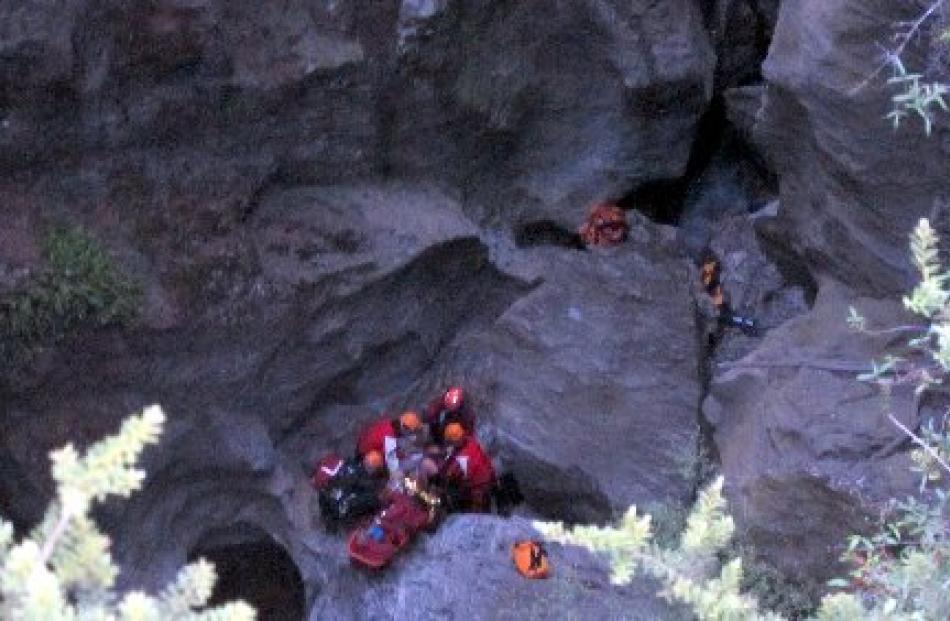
(915, 94)
(78, 285)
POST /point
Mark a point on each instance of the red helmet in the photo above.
(452, 399)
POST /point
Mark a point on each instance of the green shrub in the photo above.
(63, 571)
(78, 286)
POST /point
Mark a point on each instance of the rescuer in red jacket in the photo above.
(467, 472)
(385, 435)
(451, 407)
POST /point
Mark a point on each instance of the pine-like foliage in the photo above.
(691, 573)
(63, 571)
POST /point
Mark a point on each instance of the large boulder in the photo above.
(852, 188)
(589, 385)
(807, 452)
(464, 571)
(597, 98)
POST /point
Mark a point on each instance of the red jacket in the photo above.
(470, 468)
(378, 436)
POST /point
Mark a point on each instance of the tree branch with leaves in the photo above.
(64, 572)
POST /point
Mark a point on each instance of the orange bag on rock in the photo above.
(531, 559)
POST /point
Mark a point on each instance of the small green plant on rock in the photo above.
(914, 95)
(63, 571)
(79, 285)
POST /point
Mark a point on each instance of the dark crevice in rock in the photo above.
(404, 322)
(708, 462)
(20, 502)
(252, 567)
(271, 181)
(547, 233)
(663, 200)
(793, 267)
(741, 31)
(556, 493)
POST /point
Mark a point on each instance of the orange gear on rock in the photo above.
(531, 559)
(606, 225)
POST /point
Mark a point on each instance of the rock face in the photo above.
(601, 353)
(287, 332)
(432, 582)
(529, 110)
(300, 189)
(852, 188)
(318, 199)
(806, 451)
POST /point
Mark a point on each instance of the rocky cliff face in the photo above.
(526, 110)
(804, 448)
(330, 207)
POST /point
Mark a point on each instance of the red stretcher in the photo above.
(376, 543)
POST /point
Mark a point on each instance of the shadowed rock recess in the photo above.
(334, 208)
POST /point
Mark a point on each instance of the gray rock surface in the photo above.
(852, 188)
(601, 96)
(805, 448)
(742, 107)
(430, 582)
(590, 383)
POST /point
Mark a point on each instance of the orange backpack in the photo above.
(531, 559)
(606, 225)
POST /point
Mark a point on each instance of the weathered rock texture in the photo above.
(425, 583)
(303, 189)
(529, 109)
(806, 450)
(300, 187)
(851, 187)
(590, 382)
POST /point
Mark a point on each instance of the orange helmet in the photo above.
(410, 421)
(454, 433)
(373, 461)
(452, 399)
